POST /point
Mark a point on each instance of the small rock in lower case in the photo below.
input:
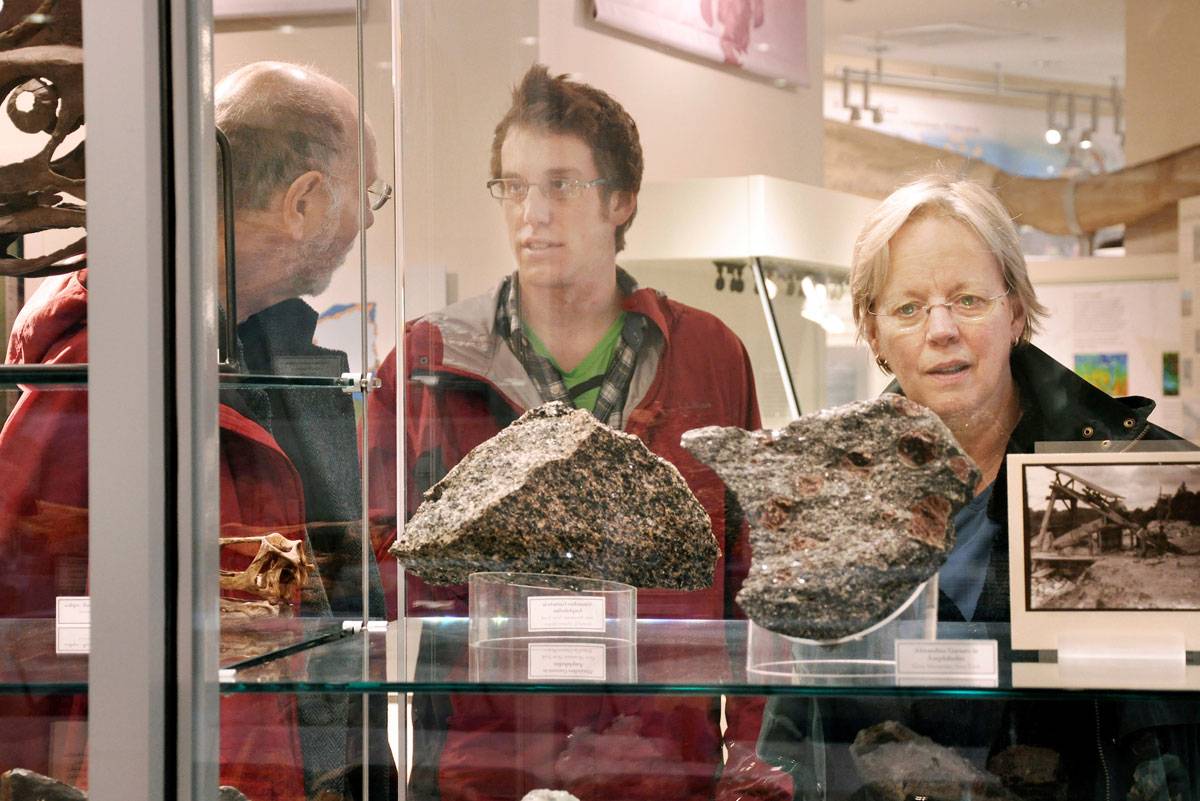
(559, 492)
(1025, 764)
(548, 795)
(851, 509)
(896, 764)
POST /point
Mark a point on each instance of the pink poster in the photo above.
(766, 37)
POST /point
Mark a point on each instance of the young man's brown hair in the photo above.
(562, 106)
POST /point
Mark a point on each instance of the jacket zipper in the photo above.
(1100, 751)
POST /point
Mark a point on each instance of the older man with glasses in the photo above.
(569, 325)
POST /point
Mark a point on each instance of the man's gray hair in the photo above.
(281, 121)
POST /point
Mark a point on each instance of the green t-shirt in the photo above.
(594, 364)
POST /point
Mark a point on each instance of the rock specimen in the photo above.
(850, 508)
(896, 764)
(559, 492)
(19, 784)
(548, 795)
(1030, 771)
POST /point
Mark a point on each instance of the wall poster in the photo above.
(765, 37)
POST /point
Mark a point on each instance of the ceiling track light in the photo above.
(876, 111)
(1085, 138)
(1118, 111)
(1053, 134)
(855, 113)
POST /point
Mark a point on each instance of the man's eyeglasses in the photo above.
(517, 189)
(966, 308)
(379, 192)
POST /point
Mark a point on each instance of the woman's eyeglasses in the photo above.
(965, 308)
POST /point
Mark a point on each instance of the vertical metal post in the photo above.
(152, 726)
(197, 729)
(127, 440)
(785, 372)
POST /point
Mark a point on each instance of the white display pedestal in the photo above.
(530, 627)
(865, 657)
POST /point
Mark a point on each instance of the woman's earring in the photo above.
(883, 365)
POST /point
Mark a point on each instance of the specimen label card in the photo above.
(947, 658)
(72, 624)
(566, 613)
(578, 661)
(72, 639)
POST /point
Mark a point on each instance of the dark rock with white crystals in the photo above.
(851, 509)
(559, 492)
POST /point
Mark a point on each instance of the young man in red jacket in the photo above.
(569, 325)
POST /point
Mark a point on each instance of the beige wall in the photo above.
(1162, 68)
(459, 61)
(1162, 99)
(696, 118)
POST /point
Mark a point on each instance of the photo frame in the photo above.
(1105, 546)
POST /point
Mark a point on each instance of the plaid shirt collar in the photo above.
(549, 382)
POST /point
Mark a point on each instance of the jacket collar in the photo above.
(1059, 406)
(461, 340)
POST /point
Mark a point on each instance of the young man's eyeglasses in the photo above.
(517, 189)
(966, 308)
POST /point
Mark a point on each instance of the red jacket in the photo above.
(463, 384)
(44, 535)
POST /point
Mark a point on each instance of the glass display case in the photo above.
(295, 315)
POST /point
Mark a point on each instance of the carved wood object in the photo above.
(869, 163)
(41, 86)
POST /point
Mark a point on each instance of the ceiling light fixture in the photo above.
(1053, 134)
(1117, 111)
(855, 114)
(876, 111)
(1085, 138)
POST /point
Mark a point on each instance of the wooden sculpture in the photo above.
(869, 163)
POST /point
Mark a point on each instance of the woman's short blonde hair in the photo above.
(965, 201)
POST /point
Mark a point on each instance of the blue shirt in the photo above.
(962, 577)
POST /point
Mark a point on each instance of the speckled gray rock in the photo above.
(896, 764)
(559, 492)
(850, 508)
(19, 784)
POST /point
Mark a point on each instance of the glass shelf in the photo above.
(47, 376)
(30, 666)
(44, 376)
(674, 657)
(234, 380)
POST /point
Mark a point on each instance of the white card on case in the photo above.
(967, 658)
(566, 613)
(72, 624)
(567, 661)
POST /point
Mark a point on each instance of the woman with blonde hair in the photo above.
(942, 294)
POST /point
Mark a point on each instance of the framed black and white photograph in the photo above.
(1104, 543)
